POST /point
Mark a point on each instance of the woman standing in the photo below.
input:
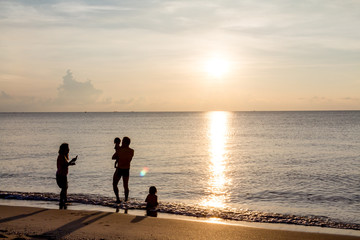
(62, 172)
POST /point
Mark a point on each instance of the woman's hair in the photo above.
(126, 141)
(117, 140)
(64, 149)
(152, 190)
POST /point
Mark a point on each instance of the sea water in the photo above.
(283, 167)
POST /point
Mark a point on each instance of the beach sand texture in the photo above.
(40, 223)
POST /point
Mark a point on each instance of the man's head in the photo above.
(126, 141)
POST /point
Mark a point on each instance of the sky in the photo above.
(226, 55)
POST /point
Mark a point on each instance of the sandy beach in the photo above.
(40, 223)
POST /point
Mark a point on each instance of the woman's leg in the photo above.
(63, 197)
(63, 184)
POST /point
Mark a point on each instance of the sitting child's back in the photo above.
(151, 202)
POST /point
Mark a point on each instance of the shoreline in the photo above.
(175, 209)
(52, 223)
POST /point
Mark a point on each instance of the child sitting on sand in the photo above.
(151, 202)
(117, 148)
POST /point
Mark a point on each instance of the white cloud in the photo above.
(76, 93)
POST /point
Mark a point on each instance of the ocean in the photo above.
(279, 167)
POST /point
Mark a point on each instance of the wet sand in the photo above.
(40, 223)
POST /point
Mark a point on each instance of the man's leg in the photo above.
(126, 187)
(116, 180)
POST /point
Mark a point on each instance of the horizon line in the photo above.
(182, 111)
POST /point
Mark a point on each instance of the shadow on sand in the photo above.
(138, 219)
(9, 219)
(70, 227)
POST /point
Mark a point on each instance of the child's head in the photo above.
(117, 140)
(152, 190)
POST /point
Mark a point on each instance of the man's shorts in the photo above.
(122, 172)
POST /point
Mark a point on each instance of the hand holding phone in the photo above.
(72, 162)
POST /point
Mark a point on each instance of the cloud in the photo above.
(76, 93)
(10, 103)
(72, 96)
(4, 96)
(351, 99)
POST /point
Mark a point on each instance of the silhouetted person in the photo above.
(117, 148)
(62, 172)
(124, 157)
(151, 202)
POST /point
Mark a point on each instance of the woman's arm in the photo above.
(72, 162)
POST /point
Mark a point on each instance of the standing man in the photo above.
(123, 156)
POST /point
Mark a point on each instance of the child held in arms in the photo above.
(151, 202)
(117, 147)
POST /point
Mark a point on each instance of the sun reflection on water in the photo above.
(217, 194)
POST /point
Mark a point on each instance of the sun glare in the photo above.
(218, 160)
(217, 67)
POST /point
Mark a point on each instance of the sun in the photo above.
(217, 67)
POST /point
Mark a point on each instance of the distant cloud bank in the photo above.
(72, 95)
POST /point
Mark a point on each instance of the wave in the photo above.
(190, 210)
(296, 196)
